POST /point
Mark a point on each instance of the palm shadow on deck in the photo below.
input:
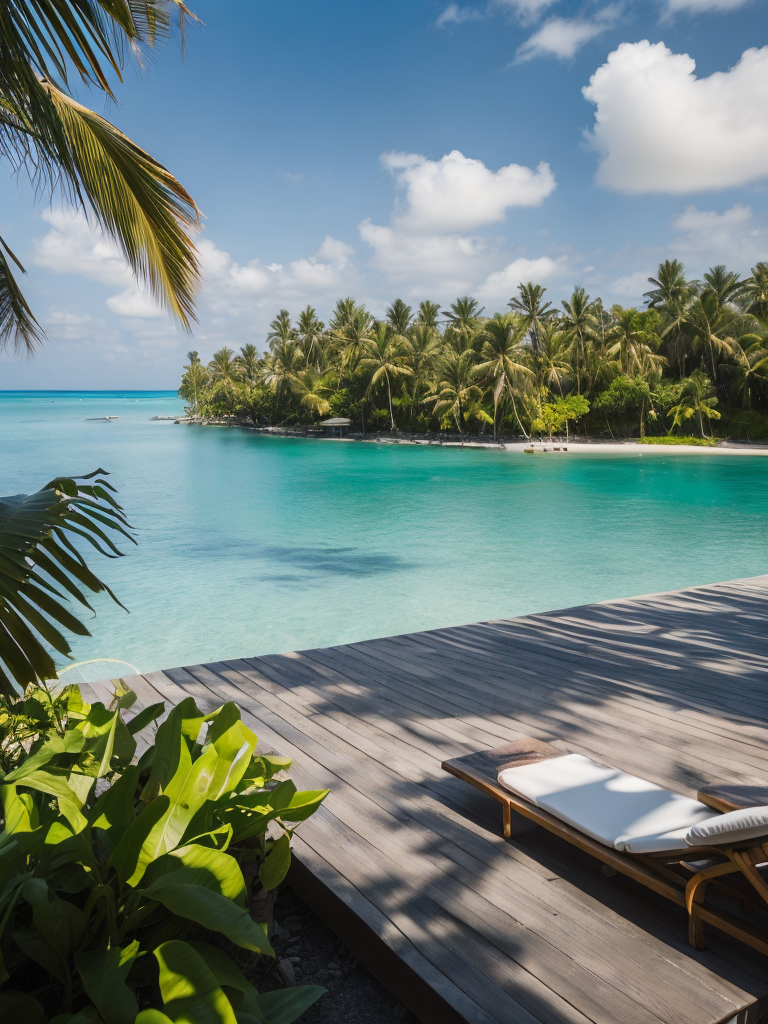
(410, 862)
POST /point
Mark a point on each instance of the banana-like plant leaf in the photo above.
(214, 912)
(34, 548)
(276, 864)
(189, 990)
(153, 1017)
(243, 996)
(129, 858)
(144, 717)
(19, 1006)
(200, 865)
(103, 973)
(284, 1006)
(303, 804)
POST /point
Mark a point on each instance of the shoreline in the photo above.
(578, 446)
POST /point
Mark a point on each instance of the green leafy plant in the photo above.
(675, 439)
(41, 571)
(118, 879)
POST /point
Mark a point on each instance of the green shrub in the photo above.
(701, 442)
(110, 894)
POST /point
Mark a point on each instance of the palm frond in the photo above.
(18, 328)
(41, 569)
(136, 201)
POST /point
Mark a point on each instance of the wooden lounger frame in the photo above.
(681, 876)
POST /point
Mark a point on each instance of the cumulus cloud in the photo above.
(431, 240)
(455, 15)
(633, 286)
(499, 285)
(73, 246)
(564, 37)
(659, 128)
(458, 193)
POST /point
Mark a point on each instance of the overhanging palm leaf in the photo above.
(16, 319)
(66, 147)
(41, 569)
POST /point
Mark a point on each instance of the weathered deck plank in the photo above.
(408, 863)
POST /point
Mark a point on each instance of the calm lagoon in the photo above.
(251, 544)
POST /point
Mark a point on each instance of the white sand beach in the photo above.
(635, 448)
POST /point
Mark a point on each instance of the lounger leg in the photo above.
(694, 893)
(507, 819)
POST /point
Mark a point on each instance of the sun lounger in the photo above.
(671, 843)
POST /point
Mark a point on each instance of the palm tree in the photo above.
(282, 367)
(582, 323)
(47, 46)
(309, 331)
(529, 302)
(502, 356)
(756, 291)
(399, 317)
(354, 336)
(309, 385)
(672, 296)
(428, 314)
(383, 356)
(280, 330)
(464, 318)
(631, 340)
(725, 284)
(455, 386)
(223, 366)
(248, 363)
(697, 399)
(193, 381)
(750, 365)
(551, 365)
(713, 326)
(343, 313)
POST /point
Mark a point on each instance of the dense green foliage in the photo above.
(121, 884)
(41, 570)
(694, 360)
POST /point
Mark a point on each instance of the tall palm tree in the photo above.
(193, 381)
(309, 331)
(464, 322)
(551, 365)
(46, 47)
(672, 296)
(224, 365)
(399, 316)
(529, 302)
(455, 385)
(502, 359)
(248, 363)
(725, 284)
(630, 339)
(383, 356)
(354, 336)
(343, 313)
(280, 330)
(713, 326)
(428, 314)
(582, 323)
(756, 291)
(282, 367)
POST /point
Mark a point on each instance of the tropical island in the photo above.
(690, 366)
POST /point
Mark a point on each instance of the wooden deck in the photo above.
(408, 864)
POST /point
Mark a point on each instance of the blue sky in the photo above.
(418, 149)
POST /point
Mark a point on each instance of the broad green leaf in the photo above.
(276, 864)
(130, 857)
(55, 785)
(153, 1017)
(18, 811)
(287, 1005)
(214, 912)
(31, 942)
(240, 992)
(59, 922)
(103, 973)
(114, 809)
(234, 743)
(19, 1006)
(72, 742)
(144, 717)
(303, 804)
(189, 990)
(199, 865)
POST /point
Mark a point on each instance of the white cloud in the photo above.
(659, 128)
(135, 303)
(455, 15)
(633, 286)
(431, 240)
(526, 10)
(563, 37)
(73, 246)
(700, 6)
(501, 284)
(729, 237)
(458, 193)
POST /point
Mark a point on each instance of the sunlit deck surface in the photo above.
(408, 865)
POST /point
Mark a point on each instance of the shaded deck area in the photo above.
(408, 864)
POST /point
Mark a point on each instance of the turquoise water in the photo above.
(250, 544)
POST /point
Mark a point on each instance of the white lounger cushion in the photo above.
(616, 809)
(733, 827)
